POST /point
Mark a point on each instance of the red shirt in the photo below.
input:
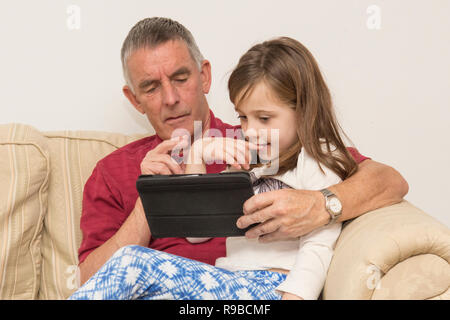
(110, 195)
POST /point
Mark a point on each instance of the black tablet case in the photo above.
(201, 205)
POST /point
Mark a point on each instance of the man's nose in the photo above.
(170, 94)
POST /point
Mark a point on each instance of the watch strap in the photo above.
(327, 193)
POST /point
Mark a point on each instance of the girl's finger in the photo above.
(252, 146)
(229, 159)
(243, 155)
(232, 151)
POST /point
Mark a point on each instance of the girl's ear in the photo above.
(205, 75)
(132, 98)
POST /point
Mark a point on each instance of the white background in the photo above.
(391, 86)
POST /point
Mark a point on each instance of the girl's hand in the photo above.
(197, 240)
(290, 296)
(234, 152)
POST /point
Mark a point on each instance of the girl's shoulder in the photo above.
(309, 174)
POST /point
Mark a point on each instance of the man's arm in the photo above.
(374, 185)
(134, 230)
(286, 214)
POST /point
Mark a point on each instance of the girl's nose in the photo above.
(251, 135)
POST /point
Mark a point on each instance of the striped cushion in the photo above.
(73, 157)
(24, 172)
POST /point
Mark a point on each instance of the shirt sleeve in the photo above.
(356, 155)
(307, 277)
(102, 212)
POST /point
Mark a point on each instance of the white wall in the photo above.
(390, 85)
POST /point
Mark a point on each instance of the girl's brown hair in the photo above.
(291, 71)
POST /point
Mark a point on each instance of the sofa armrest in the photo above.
(396, 252)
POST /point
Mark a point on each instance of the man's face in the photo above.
(169, 87)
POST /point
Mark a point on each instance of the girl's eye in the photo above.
(264, 119)
(242, 117)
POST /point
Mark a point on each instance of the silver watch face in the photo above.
(335, 205)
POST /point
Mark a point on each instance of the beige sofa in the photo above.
(398, 252)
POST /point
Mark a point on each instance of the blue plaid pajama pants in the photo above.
(135, 272)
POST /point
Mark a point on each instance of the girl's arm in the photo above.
(210, 149)
(290, 296)
(195, 163)
(195, 167)
(231, 151)
(307, 277)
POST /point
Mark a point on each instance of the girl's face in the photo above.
(265, 119)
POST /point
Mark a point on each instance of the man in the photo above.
(167, 79)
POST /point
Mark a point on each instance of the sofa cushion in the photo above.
(73, 156)
(396, 252)
(24, 172)
(420, 277)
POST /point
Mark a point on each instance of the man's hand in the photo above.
(156, 161)
(159, 161)
(288, 214)
(283, 214)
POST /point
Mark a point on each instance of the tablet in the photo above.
(195, 205)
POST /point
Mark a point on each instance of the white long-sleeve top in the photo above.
(307, 258)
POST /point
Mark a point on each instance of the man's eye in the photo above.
(150, 90)
(181, 79)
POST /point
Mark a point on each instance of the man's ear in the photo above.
(205, 74)
(132, 98)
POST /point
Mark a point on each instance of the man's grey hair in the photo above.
(151, 32)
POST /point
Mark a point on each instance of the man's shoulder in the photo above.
(220, 124)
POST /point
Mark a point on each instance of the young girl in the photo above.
(276, 88)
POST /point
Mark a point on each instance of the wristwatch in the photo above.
(332, 204)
